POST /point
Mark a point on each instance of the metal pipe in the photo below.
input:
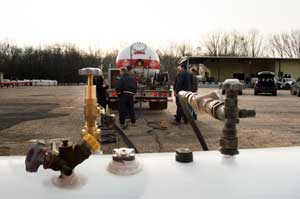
(229, 139)
(224, 110)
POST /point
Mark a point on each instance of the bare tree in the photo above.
(212, 44)
(109, 59)
(233, 44)
(277, 45)
(177, 49)
(255, 43)
(184, 49)
(224, 47)
(295, 42)
(243, 46)
(170, 56)
(286, 44)
(225, 44)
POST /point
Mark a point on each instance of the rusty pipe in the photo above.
(212, 104)
(225, 110)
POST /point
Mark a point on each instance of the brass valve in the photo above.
(67, 156)
(91, 109)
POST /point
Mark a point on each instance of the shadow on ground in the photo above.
(14, 113)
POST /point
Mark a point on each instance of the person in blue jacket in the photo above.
(183, 82)
(126, 88)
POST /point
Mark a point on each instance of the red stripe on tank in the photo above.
(151, 64)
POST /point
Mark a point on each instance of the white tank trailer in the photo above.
(144, 65)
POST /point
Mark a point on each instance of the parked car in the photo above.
(285, 83)
(232, 81)
(295, 88)
(265, 83)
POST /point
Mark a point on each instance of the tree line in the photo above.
(61, 62)
(253, 44)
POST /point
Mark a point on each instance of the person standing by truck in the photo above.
(183, 82)
(194, 86)
(194, 82)
(126, 88)
(101, 88)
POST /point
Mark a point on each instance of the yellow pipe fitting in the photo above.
(91, 109)
(92, 142)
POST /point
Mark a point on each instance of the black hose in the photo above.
(125, 138)
(188, 115)
(108, 138)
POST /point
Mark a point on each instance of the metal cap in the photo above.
(184, 155)
(90, 71)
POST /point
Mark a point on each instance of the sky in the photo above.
(109, 24)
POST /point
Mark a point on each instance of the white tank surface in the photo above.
(141, 58)
(256, 173)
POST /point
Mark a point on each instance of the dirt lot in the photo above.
(28, 113)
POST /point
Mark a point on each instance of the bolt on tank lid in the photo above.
(123, 154)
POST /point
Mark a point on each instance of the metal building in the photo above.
(223, 67)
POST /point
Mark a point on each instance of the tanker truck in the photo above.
(144, 65)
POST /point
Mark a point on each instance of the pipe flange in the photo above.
(124, 162)
(123, 154)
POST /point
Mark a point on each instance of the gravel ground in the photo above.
(29, 113)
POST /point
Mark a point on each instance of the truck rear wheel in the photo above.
(158, 105)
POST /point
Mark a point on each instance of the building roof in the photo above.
(200, 59)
